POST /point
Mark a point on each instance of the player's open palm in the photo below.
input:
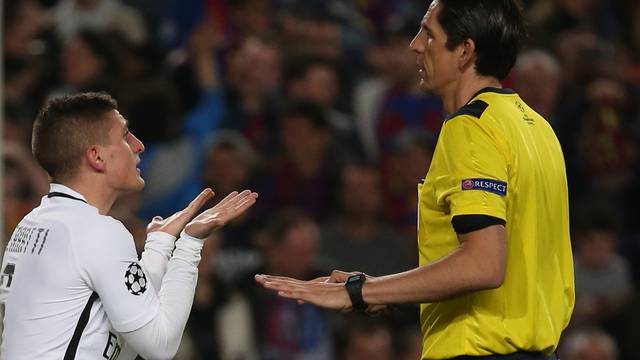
(226, 210)
(175, 223)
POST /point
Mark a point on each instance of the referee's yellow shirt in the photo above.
(498, 157)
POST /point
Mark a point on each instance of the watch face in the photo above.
(354, 278)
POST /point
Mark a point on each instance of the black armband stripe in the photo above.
(464, 224)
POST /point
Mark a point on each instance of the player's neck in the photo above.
(97, 194)
(467, 86)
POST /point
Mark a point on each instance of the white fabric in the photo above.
(156, 255)
(160, 338)
(61, 253)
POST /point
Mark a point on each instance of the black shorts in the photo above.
(520, 355)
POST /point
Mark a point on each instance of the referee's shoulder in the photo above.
(475, 109)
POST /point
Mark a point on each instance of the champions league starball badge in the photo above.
(135, 280)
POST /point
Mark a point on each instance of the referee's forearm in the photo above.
(476, 265)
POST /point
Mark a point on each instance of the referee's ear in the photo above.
(466, 54)
(94, 158)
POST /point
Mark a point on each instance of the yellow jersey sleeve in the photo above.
(475, 181)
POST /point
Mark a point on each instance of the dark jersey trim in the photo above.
(464, 224)
(70, 354)
(494, 90)
(474, 109)
(60, 194)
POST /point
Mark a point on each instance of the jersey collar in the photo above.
(493, 90)
(65, 190)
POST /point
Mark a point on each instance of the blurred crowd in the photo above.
(314, 104)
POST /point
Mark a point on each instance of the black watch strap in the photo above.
(354, 289)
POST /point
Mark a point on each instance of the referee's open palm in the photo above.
(226, 210)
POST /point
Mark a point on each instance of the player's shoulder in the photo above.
(94, 230)
(105, 226)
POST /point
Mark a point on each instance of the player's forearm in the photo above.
(161, 337)
(155, 257)
(475, 266)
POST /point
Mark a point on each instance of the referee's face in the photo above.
(122, 156)
(437, 65)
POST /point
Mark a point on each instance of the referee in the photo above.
(495, 279)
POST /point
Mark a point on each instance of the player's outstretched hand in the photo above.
(175, 223)
(226, 210)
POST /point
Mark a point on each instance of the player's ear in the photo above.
(94, 158)
(466, 54)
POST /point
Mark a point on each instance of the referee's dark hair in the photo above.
(496, 27)
(65, 127)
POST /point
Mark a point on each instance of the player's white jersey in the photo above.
(71, 283)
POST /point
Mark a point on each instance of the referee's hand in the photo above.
(226, 210)
(174, 224)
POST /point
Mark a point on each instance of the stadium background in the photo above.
(314, 104)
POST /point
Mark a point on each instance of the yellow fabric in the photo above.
(513, 144)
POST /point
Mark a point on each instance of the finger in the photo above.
(226, 199)
(157, 218)
(197, 203)
(241, 206)
(229, 211)
(232, 201)
(338, 276)
(283, 285)
(320, 279)
(261, 278)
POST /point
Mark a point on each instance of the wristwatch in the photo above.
(354, 289)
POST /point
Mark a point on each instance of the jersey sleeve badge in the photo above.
(135, 280)
(490, 185)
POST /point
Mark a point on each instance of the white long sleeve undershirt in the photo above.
(160, 338)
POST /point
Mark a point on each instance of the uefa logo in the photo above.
(135, 280)
(467, 184)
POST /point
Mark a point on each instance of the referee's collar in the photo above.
(59, 188)
(493, 90)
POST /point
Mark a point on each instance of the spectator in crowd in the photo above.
(231, 161)
(28, 50)
(589, 344)
(358, 236)
(70, 16)
(603, 279)
(252, 90)
(537, 79)
(408, 160)
(284, 329)
(154, 115)
(24, 184)
(317, 81)
(305, 171)
(368, 339)
(88, 63)
(390, 101)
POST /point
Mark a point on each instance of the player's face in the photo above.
(437, 65)
(122, 156)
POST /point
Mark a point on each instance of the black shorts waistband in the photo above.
(520, 355)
